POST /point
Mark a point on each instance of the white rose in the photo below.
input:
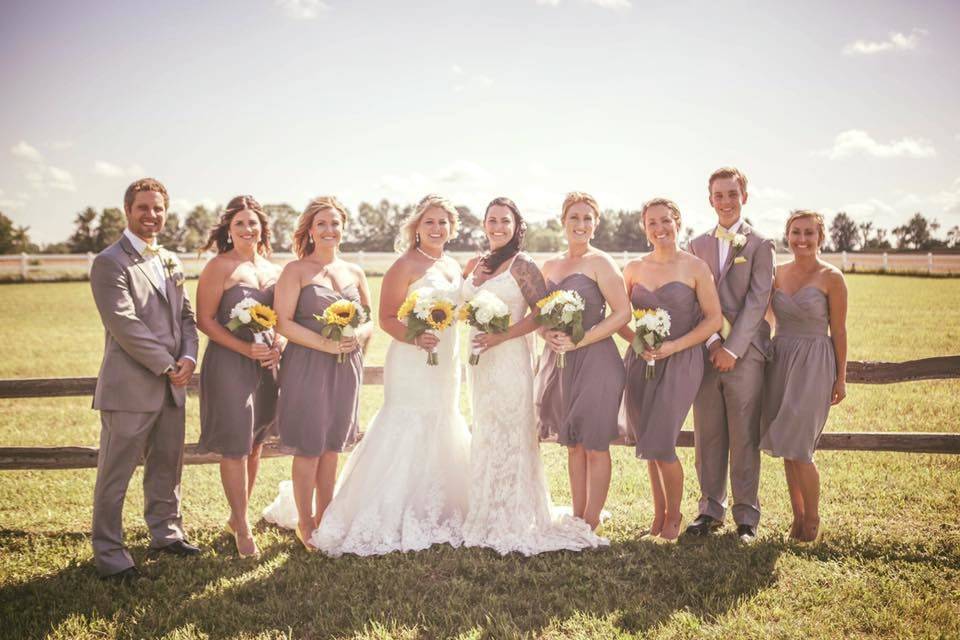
(484, 315)
(244, 316)
(739, 240)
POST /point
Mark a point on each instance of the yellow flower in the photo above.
(441, 315)
(263, 316)
(545, 300)
(340, 313)
(407, 306)
(639, 313)
(464, 312)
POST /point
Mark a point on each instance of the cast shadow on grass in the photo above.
(439, 592)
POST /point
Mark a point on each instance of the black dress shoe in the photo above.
(180, 548)
(704, 525)
(746, 533)
(128, 575)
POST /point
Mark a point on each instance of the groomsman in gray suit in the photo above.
(726, 412)
(149, 355)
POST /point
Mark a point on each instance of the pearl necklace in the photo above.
(427, 255)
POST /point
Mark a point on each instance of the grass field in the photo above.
(888, 564)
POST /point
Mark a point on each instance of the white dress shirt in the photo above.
(723, 251)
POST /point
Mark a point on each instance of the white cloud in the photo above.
(611, 4)
(894, 42)
(302, 9)
(549, 3)
(949, 199)
(11, 203)
(457, 70)
(60, 179)
(184, 206)
(111, 170)
(60, 145)
(870, 209)
(465, 81)
(856, 141)
(24, 151)
(767, 193)
(467, 173)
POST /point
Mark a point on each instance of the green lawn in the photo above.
(888, 564)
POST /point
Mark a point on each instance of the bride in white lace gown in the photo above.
(510, 506)
(404, 487)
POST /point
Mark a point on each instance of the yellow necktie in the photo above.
(150, 251)
(723, 234)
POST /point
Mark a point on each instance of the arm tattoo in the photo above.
(530, 279)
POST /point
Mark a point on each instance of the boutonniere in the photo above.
(737, 243)
(172, 266)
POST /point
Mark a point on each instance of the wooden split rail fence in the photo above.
(940, 368)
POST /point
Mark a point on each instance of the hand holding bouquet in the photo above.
(340, 320)
(486, 313)
(257, 318)
(426, 310)
(652, 328)
(562, 310)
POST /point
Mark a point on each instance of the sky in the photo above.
(828, 106)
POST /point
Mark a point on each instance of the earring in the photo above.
(418, 237)
(229, 239)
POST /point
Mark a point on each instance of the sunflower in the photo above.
(407, 306)
(639, 313)
(441, 315)
(263, 316)
(543, 301)
(340, 313)
(463, 312)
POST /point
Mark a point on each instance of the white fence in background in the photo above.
(52, 266)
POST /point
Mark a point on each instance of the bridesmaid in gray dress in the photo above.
(578, 404)
(655, 408)
(238, 393)
(808, 370)
(319, 397)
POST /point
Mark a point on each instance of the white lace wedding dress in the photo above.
(405, 486)
(510, 506)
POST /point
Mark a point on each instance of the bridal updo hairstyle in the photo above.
(812, 215)
(669, 204)
(302, 242)
(408, 229)
(220, 233)
(575, 197)
(492, 261)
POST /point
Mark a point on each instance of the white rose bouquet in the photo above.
(562, 310)
(486, 313)
(256, 317)
(652, 328)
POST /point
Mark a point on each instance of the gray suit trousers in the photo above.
(726, 416)
(125, 436)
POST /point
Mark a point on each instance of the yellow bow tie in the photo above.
(149, 251)
(723, 234)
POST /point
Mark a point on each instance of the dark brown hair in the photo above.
(220, 233)
(492, 261)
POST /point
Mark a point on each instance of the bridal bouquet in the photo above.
(562, 310)
(487, 313)
(340, 320)
(652, 328)
(257, 318)
(426, 310)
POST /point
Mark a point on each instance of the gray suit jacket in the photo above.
(149, 326)
(744, 287)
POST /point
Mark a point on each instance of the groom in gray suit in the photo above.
(149, 355)
(726, 412)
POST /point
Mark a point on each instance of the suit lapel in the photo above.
(733, 252)
(711, 254)
(138, 260)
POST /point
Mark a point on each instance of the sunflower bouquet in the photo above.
(486, 313)
(340, 320)
(256, 317)
(562, 310)
(652, 328)
(426, 310)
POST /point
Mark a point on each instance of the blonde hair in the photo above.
(302, 242)
(800, 214)
(576, 197)
(407, 237)
(728, 172)
(669, 204)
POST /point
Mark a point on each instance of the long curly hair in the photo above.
(220, 233)
(492, 261)
(407, 237)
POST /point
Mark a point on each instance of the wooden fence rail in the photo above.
(939, 368)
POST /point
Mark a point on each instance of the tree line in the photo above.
(374, 226)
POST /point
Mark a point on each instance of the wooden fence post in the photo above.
(24, 265)
(929, 262)
(90, 258)
(883, 264)
(843, 262)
